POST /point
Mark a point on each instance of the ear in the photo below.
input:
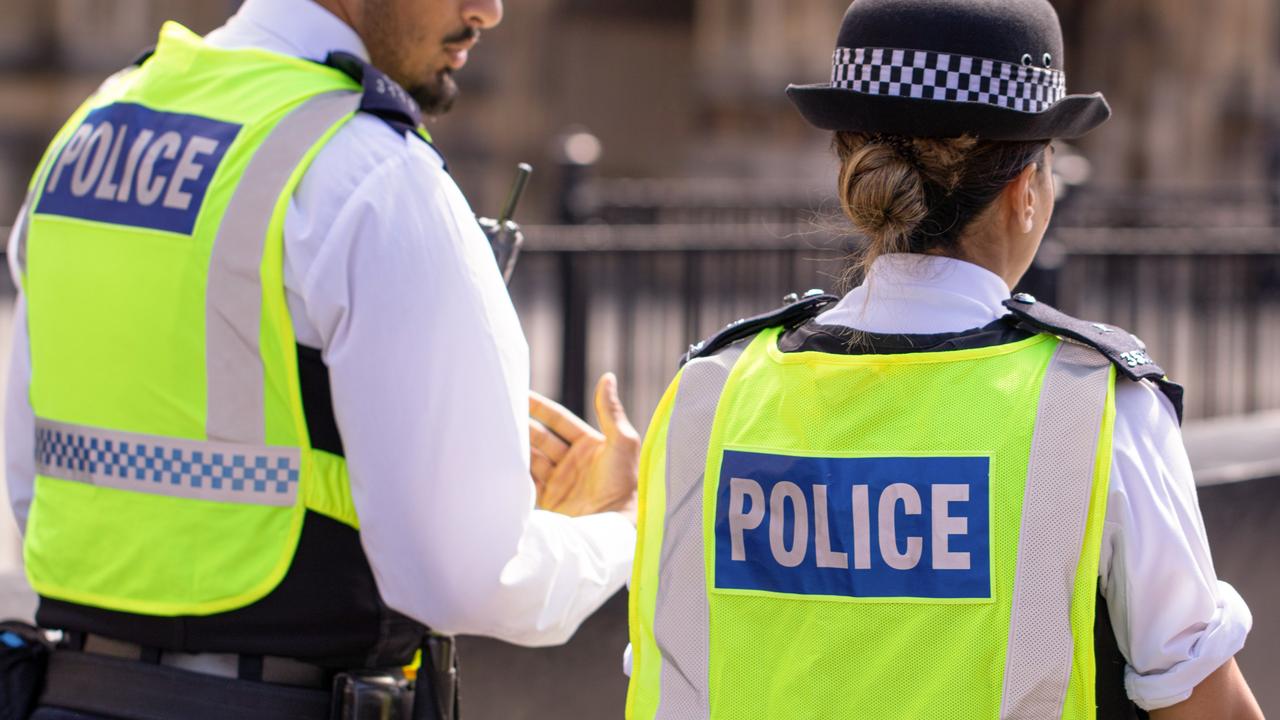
(1021, 197)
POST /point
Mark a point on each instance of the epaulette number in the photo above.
(1136, 358)
(386, 87)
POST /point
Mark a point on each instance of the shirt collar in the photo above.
(301, 28)
(921, 294)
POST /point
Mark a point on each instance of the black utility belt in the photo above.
(136, 690)
(139, 690)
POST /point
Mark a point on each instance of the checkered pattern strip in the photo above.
(62, 453)
(954, 78)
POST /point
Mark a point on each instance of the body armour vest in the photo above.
(894, 536)
(191, 492)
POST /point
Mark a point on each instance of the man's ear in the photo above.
(1020, 199)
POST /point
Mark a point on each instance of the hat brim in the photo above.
(831, 108)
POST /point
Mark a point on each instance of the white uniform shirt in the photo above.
(389, 275)
(1174, 620)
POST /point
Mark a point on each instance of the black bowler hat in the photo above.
(945, 68)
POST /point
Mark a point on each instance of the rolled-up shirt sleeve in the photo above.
(1175, 621)
(430, 378)
(19, 418)
(19, 423)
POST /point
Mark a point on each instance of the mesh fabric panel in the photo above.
(1060, 478)
(786, 656)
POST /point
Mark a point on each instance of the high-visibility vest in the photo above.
(873, 536)
(174, 467)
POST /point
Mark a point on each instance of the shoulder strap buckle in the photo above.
(795, 310)
(1122, 348)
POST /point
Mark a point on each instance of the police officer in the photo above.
(268, 409)
(904, 503)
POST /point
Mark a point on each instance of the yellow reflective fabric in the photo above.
(329, 490)
(642, 695)
(117, 293)
(803, 654)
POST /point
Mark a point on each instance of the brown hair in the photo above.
(920, 194)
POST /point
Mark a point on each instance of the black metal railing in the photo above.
(653, 201)
(631, 298)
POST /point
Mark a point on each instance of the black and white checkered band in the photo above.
(941, 76)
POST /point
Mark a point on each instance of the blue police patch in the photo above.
(863, 527)
(130, 165)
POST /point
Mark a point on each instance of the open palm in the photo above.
(577, 469)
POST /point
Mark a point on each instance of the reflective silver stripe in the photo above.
(1054, 514)
(681, 625)
(234, 295)
(18, 243)
(251, 475)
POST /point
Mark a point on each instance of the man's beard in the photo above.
(436, 97)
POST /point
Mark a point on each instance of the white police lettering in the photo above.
(788, 501)
(784, 556)
(93, 156)
(740, 519)
(131, 164)
(822, 533)
(188, 169)
(888, 526)
(166, 145)
(944, 526)
(861, 528)
(107, 187)
(86, 173)
(69, 155)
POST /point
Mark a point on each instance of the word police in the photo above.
(127, 164)
(854, 527)
(746, 493)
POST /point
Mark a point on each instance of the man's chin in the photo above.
(437, 97)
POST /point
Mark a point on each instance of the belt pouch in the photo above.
(438, 688)
(24, 657)
(370, 697)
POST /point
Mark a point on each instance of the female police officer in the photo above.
(905, 507)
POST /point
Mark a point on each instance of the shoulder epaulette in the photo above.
(1124, 349)
(383, 97)
(794, 311)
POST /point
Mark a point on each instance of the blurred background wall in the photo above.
(677, 190)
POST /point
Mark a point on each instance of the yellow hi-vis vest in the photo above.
(173, 462)
(873, 536)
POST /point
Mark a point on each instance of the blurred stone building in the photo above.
(693, 88)
(1195, 85)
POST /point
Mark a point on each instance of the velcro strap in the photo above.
(136, 691)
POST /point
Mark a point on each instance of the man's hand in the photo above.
(579, 470)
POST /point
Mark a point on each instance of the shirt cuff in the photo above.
(1219, 641)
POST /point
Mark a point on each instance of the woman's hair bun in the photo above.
(881, 191)
(908, 194)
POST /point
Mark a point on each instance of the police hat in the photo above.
(945, 68)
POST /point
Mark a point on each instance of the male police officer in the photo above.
(268, 410)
